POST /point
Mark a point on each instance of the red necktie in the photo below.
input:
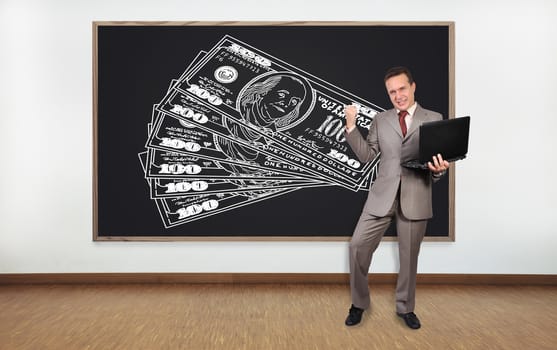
(401, 116)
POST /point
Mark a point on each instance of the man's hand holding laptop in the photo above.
(438, 165)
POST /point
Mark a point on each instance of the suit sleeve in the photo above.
(437, 177)
(365, 149)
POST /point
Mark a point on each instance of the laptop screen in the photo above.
(449, 137)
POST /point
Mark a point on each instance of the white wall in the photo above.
(506, 78)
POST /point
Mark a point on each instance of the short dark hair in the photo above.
(394, 71)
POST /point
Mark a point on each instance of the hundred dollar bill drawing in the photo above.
(193, 185)
(164, 162)
(180, 175)
(167, 164)
(240, 126)
(241, 149)
(179, 210)
(275, 102)
(180, 136)
(187, 188)
(175, 135)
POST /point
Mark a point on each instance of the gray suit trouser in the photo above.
(365, 240)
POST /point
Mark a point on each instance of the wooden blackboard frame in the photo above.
(100, 96)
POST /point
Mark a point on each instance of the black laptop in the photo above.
(449, 137)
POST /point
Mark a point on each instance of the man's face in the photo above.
(280, 101)
(400, 91)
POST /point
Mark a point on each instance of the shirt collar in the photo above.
(410, 110)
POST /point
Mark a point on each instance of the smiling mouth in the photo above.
(278, 108)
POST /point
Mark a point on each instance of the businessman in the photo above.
(398, 193)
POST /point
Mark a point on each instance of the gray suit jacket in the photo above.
(385, 136)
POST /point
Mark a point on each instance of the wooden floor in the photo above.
(271, 316)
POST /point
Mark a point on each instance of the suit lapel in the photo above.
(393, 120)
(417, 120)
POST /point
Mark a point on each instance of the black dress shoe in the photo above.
(411, 320)
(354, 316)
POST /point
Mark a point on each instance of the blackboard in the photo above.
(172, 161)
